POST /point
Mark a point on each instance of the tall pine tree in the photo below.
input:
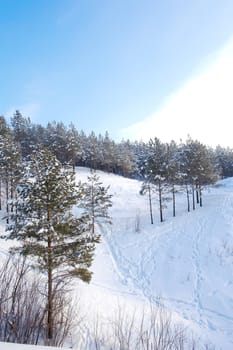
(61, 244)
(95, 200)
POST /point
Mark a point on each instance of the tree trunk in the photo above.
(174, 200)
(12, 194)
(197, 194)
(50, 288)
(160, 202)
(92, 209)
(150, 204)
(188, 201)
(93, 224)
(193, 195)
(200, 194)
(50, 302)
(7, 200)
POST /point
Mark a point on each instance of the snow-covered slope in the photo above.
(185, 262)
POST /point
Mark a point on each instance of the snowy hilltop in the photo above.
(184, 263)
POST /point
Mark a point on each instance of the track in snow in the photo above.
(178, 246)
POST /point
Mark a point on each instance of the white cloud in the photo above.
(202, 107)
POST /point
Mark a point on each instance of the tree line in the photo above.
(95, 151)
(162, 166)
(170, 168)
(37, 179)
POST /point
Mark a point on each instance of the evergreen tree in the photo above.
(108, 154)
(22, 132)
(4, 128)
(198, 168)
(92, 151)
(4, 135)
(95, 200)
(56, 140)
(60, 243)
(126, 160)
(83, 161)
(155, 170)
(224, 161)
(172, 161)
(141, 151)
(147, 187)
(10, 168)
(38, 135)
(73, 146)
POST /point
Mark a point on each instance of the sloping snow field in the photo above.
(186, 263)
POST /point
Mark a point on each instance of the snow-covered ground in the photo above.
(10, 346)
(186, 262)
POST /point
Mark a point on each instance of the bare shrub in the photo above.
(151, 330)
(64, 319)
(21, 311)
(23, 306)
(23, 318)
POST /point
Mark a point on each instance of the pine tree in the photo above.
(155, 170)
(141, 151)
(4, 135)
(147, 187)
(4, 128)
(56, 140)
(61, 244)
(198, 168)
(108, 153)
(73, 146)
(22, 132)
(172, 161)
(96, 201)
(224, 161)
(91, 151)
(126, 160)
(10, 168)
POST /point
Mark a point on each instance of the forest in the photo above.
(161, 166)
(38, 191)
(127, 158)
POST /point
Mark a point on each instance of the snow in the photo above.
(186, 262)
(10, 346)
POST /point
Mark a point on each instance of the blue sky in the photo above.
(115, 64)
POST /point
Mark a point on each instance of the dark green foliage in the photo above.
(167, 167)
(4, 128)
(101, 152)
(22, 132)
(10, 168)
(57, 242)
(156, 171)
(73, 146)
(44, 205)
(224, 161)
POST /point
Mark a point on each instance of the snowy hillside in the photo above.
(186, 262)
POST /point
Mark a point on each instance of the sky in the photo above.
(135, 68)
